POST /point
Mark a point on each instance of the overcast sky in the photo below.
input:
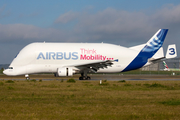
(123, 22)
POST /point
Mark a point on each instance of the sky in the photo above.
(122, 22)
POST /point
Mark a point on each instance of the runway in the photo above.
(110, 77)
(117, 77)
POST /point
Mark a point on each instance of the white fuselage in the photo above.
(47, 57)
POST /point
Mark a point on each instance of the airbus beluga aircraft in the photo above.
(66, 59)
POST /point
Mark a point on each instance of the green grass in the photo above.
(86, 100)
(122, 81)
(104, 82)
(71, 80)
(171, 102)
(9, 81)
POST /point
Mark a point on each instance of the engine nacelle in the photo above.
(65, 71)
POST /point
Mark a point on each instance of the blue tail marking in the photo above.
(151, 47)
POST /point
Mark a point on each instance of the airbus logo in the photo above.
(58, 55)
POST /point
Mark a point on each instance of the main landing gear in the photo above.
(84, 77)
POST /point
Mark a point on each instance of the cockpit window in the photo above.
(10, 68)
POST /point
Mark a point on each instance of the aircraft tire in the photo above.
(84, 78)
(88, 78)
(80, 78)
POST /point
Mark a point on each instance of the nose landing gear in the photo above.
(27, 77)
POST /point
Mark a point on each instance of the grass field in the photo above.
(87, 100)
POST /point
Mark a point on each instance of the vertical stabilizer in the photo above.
(171, 51)
(166, 67)
(155, 43)
(150, 48)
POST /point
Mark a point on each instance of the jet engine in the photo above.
(65, 71)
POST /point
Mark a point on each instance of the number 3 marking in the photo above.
(172, 51)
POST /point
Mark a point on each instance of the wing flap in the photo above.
(94, 66)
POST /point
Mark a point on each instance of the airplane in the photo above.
(166, 67)
(66, 59)
(169, 69)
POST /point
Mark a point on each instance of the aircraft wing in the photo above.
(95, 66)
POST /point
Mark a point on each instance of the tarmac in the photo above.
(110, 77)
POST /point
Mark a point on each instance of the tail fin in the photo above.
(155, 43)
(150, 48)
(165, 65)
(171, 51)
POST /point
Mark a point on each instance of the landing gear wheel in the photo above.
(81, 78)
(84, 78)
(27, 77)
(88, 78)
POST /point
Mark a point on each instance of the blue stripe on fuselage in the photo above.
(148, 51)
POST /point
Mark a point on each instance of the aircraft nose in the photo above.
(9, 72)
(5, 72)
